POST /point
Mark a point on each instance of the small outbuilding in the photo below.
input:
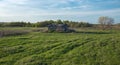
(58, 28)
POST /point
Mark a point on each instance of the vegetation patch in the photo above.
(38, 48)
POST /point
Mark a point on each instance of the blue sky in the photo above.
(75, 10)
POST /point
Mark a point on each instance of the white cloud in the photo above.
(85, 13)
(16, 1)
(23, 7)
(26, 8)
(77, 7)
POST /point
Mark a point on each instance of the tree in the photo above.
(15, 24)
(59, 22)
(28, 24)
(65, 21)
(84, 24)
(106, 22)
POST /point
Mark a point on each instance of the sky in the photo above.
(74, 10)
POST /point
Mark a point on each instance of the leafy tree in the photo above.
(15, 24)
(28, 24)
(84, 24)
(59, 22)
(44, 23)
(1, 24)
(66, 22)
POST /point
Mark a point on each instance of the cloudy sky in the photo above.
(76, 10)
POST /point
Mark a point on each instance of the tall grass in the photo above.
(93, 47)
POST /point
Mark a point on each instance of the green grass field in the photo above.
(83, 48)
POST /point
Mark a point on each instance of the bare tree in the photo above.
(106, 22)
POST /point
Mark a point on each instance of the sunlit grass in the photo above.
(94, 47)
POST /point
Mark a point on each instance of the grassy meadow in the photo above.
(87, 47)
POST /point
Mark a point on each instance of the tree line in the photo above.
(45, 24)
(104, 22)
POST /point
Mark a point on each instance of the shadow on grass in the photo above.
(12, 33)
(94, 32)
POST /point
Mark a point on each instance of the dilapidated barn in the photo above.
(58, 28)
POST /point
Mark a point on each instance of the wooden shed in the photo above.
(58, 27)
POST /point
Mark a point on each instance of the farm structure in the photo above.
(59, 28)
